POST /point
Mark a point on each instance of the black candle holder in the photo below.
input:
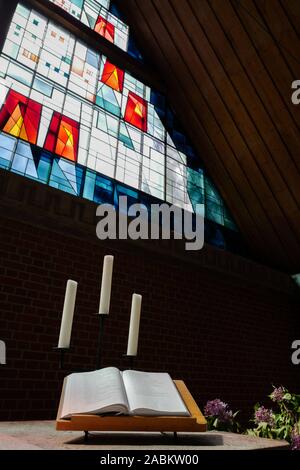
(130, 359)
(62, 352)
(100, 339)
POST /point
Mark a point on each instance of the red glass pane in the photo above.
(105, 29)
(136, 111)
(20, 117)
(63, 137)
(113, 76)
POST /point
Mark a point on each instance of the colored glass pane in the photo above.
(63, 137)
(105, 29)
(20, 117)
(113, 76)
(136, 111)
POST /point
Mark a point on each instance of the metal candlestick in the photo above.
(61, 352)
(100, 340)
(131, 360)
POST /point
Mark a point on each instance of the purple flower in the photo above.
(264, 415)
(278, 394)
(295, 444)
(215, 408)
(226, 416)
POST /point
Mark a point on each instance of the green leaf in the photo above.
(287, 396)
(215, 423)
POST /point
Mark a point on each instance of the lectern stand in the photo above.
(193, 423)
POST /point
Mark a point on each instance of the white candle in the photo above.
(68, 314)
(106, 285)
(133, 337)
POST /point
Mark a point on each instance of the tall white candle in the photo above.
(106, 285)
(68, 314)
(133, 337)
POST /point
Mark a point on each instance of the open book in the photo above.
(111, 391)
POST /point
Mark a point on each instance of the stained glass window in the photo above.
(103, 17)
(72, 119)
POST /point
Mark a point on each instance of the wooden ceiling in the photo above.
(227, 66)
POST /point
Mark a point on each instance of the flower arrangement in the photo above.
(220, 417)
(281, 423)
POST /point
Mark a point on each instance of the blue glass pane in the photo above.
(24, 149)
(195, 187)
(115, 11)
(133, 50)
(228, 220)
(23, 161)
(103, 190)
(89, 185)
(61, 180)
(125, 137)
(31, 170)
(80, 173)
(5, 158)
(132, 195)
(107, 100)
(44, 168)
(19, 164)
(211, 191)
(43, 87)
(159, 102)
(92, 58)
(7, 142)
(230, 224)
(78, 3)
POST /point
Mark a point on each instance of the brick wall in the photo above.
(226, 335)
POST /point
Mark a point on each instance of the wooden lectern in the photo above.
(88, 422)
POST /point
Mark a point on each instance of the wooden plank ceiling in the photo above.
(228, 66)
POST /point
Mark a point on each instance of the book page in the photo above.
(100, 391)
(153, 393)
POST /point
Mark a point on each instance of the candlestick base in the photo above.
(100, 339)
(130, 359)
(61, 352)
